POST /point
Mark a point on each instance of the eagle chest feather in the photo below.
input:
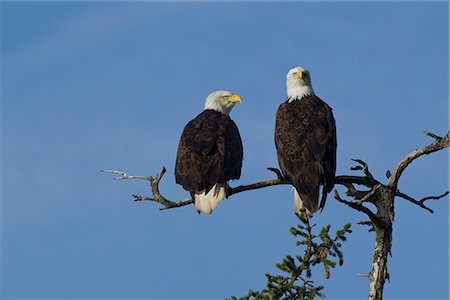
(305, 137)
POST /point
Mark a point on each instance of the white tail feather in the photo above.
(207, 202)
(299, 207)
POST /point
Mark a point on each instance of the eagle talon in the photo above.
(278, 172)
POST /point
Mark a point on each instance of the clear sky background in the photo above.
(91, 85)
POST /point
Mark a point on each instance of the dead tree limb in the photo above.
(379, 194)
(439, 144)
(168, 204)
(382, 196)
(157, 197)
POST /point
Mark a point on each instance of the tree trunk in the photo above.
(383, 243)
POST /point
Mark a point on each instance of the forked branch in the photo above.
(439, 144)
(421, 202)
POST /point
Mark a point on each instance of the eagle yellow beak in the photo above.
(235, 98)
(299, 74)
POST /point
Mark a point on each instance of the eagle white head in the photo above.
(298, 83)
(222, 101)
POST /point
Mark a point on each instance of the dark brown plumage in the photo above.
(210, 152)
(305, 138)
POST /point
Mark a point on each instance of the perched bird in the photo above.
(210, 152)
(305, 138)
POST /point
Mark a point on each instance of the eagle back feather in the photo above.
(210, 151)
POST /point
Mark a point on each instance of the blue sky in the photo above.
(96, 85)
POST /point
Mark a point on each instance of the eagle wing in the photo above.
(233, 153)
(201, 152)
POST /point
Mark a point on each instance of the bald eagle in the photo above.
(210, 152)
(305, 138)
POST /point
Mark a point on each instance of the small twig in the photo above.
(363, 166)
(276, 171)
(434, 197)
(154, 183)
(353, 192)
(368, 223)
(368, 196)
(412, 200)
(434, 136)
(124, 175)
(140, 198)
(421, 201)
(388, 174)
(363, 275)
(358, 207)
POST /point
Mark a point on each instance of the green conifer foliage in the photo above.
(295, 283)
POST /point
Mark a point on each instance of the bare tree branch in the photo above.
(368, 223)
(370, 195)
(421, 201)
(359, 180)
(124, 175)
(436, 137)
(359, 207)
(439, 144)
(154, 184)
(168, 204)
(363, 166)
(257, 185)
(157, 197)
